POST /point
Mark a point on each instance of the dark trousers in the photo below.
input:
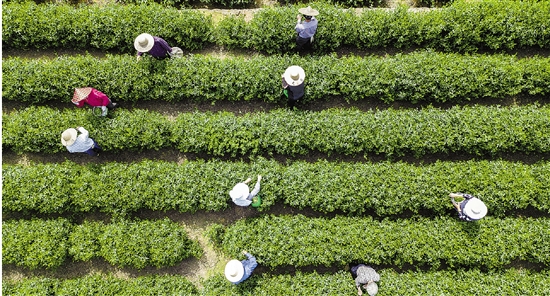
(303, 42)
(94, 150)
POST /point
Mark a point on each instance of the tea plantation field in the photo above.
(403, 106)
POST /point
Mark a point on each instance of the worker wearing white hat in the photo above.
(470, 209)
(241, 195)
(155, 46)
(237, 271)
(307, 28)
(293, 84)
(82, 143)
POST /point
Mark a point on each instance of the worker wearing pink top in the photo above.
(92, 97)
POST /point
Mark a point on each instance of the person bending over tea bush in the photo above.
(367, 277)
(79, 143)
(92, 97)
(307, 28)
(155, 46)
(293, 84)
(237, 271)
(469, 209)
(240, 193)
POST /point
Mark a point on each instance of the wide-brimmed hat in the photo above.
(240, 191)
(294, 75)
(144, 42)
(81, 93)
(308, 11)
(372, 288)
(475, 208)
(234, 270)
(68, 137)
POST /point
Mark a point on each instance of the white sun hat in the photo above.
(240, 191)
(294, 75)
(475, 208)
(68, 137)
(372, 288)
(144, 42)
(234, 270)
(308, 11)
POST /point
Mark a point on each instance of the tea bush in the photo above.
(383, 188)
(423, 76)
(105, 27)
(463, 26)
(422, 242)
(475, 130)
(40, 243)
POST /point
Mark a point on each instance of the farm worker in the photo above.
(469, 209)
(237, 271)
(240, 193)
(79, 143)
(92, 97)
(155, 46)
(293, 84)
(306, 29)
(367, 277)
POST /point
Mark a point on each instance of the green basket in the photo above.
(256, 201)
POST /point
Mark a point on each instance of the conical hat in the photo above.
(234, 270)
(475, 209)
(68, 137)
(308, 11)
(81, 93)
(144, 42)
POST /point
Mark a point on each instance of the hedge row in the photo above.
(489, 243)
(99, 284)
(470, 282)
(107, 27)
(356, 188)
(464, 26)
(423, 76)
(40, 243)
(477, 130)
(457, 282)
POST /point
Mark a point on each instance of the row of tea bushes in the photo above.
(382, 188)
(423, 76)
(43, 243)
(475, 130)
(452, 282)
(299, 241)
(464, 26)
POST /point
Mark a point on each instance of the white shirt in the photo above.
(82, 143)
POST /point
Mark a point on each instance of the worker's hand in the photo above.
(455, 195)
(138, 58)
(259, 178)
(247, 181)
(244, 252)
(359, 292)
(299, 17)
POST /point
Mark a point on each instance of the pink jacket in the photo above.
(95, 99)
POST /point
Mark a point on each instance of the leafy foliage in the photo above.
(463, 26)
(421, 242)
(382, 188)
(106, 27)
(423, 76)
(476, 130)
(35, 243)
(42, 243)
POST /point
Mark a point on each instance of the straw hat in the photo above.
(294, 75)
(81, 93)
(475, 208)
(240, 191)
(68, 137)
(144, 42)
(234, 270)
(308, 11)
(372, 288)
